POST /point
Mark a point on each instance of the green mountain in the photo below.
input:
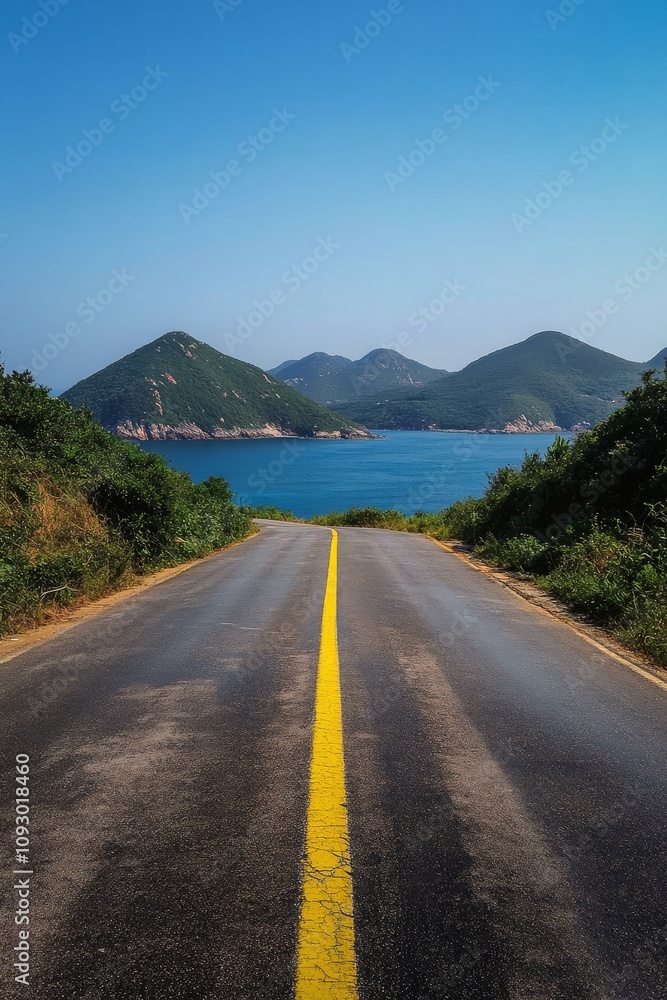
(178, 387)
(333, 380)
(549, 379)
(309, 371)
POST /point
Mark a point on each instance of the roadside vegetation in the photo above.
(82, 513)
(588, 522)
(393, 520)
(270, 513)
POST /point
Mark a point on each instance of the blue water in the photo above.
(406, 470)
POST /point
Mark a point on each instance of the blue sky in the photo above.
(305, 121)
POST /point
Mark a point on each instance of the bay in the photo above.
(406, 470)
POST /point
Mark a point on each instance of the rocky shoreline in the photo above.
(525, 426)
(144, 431)
(520, 426)
(131, 431)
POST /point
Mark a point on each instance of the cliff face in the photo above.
(141, 431)
(525, 426)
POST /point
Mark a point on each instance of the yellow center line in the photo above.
(326, 966)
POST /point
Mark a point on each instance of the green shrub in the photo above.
(365, 517)
(80, 509)
(525, 553)
(270, 513)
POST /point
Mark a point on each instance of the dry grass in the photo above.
(65, 521)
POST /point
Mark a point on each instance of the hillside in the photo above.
(333, 380)
(274, 372)
(82, 512)
(313, 375)
(658, 361)
(550, 379)
(310, 369)
(178, 387)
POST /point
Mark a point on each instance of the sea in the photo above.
(405, 470)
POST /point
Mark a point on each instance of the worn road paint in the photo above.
(326, 966)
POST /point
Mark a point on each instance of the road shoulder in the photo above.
(542, 601)
(13, 645)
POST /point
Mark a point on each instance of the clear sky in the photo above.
(303, 111)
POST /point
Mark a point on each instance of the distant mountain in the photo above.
(333, 380)
(310, 369)
(548, 380)
(658, 361)
(275, 371)
(178, 387)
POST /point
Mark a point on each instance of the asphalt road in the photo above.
(506, 786)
